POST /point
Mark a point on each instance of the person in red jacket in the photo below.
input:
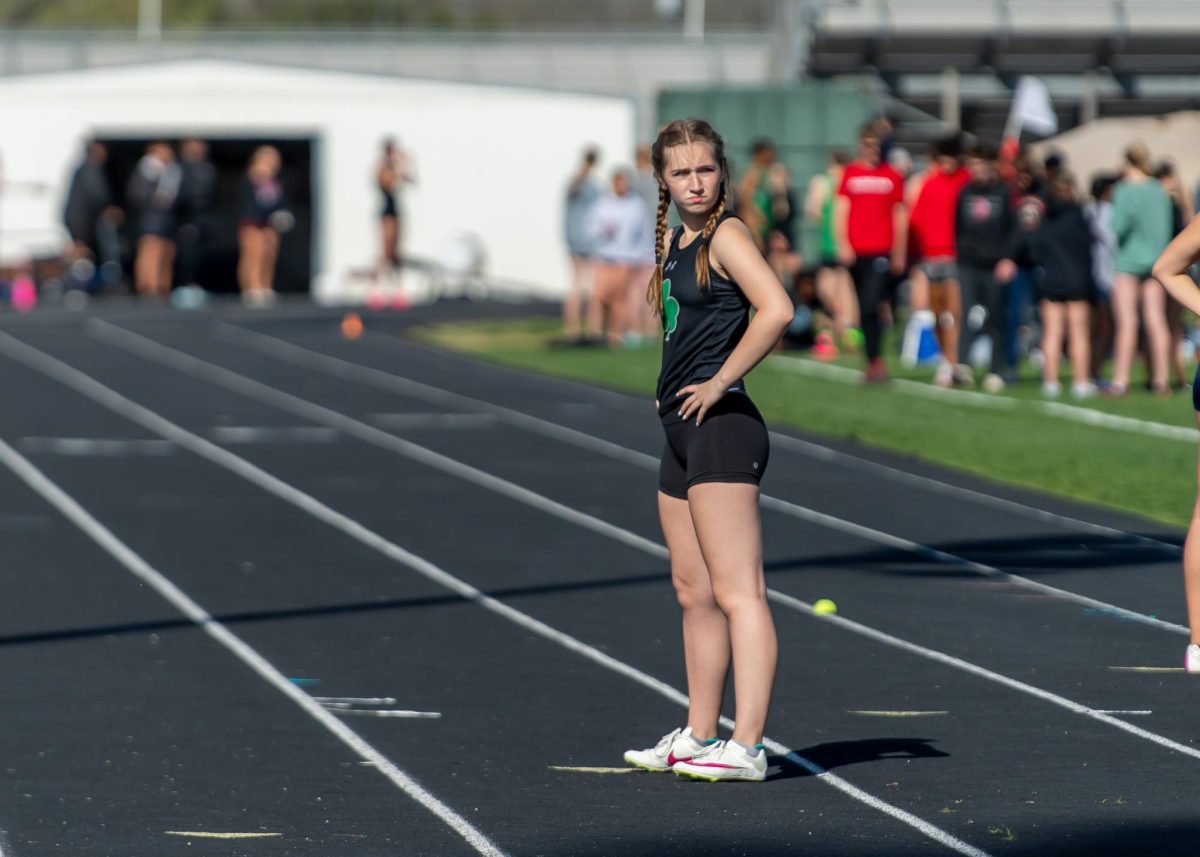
(872, 236)
(934, 278)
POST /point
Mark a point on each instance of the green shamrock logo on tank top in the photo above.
(670, 310)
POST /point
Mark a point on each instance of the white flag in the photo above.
(1031, 109)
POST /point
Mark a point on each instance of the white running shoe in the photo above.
(1191, 661)
(676, 746)
(993, 383)
(1085, 390)
(1051, 389)
(943, 376)
(725, 760)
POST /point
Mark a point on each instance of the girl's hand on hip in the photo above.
(700, 398)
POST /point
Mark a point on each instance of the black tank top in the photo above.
(701, 327)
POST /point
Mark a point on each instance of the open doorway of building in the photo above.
(217, 263)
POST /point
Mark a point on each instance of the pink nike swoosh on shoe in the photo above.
(672, 759)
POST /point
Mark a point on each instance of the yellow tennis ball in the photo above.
(824, 605)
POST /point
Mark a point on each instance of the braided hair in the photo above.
(681, 132)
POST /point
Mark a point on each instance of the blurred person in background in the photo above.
(92, 219)
(1171, 272)
(834, 286)
(1060, 246)
(753, 197)
(1141, 220)
(617, 229)
(153, 194)
(872, 231)
(1181, 213)
(197, 187)
(262, 216)
(934, 278)
(582, 194)
(1104, 259)
(781, 197)
(392, 174)
(985, 230)
(1029, 190)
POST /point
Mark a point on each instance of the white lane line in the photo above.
(384, 380)
(356, 700)
(1147, 669)
(210, 834)
(395, 712)
(1117, 713)
(1073, 413)
(273, 434)
(263, 392)
(585, 770)
(135, 564)
(101, 447)
(433, 421)
(870, 713)
(109, 398)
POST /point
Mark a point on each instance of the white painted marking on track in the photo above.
(356, 700)
(224, 377)
(210, 834)
(1117, 713)
(433, 421)
(1148, 669)
(585, 770)
(273, 434)
(397, 713)
(100, 447)
(113, 400)
(870, 713)
(81, 518)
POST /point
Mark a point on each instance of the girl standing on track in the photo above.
(708, 274)
(1171, 272)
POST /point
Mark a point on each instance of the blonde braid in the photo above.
(654, 295)
(702, 275)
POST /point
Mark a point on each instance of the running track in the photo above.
(247, 561)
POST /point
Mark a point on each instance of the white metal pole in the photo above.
(693, 20)
(150, 19)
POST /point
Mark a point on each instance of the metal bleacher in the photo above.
(1097, 57)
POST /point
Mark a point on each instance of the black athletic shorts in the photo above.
(1196, 390)
(730, 445)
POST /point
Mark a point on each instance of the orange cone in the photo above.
(352, 326)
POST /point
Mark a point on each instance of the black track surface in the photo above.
(123, 719)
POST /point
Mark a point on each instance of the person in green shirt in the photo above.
(834, 286)
(1141, 221)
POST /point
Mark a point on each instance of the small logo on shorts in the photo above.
(756, 465)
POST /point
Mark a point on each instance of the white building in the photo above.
(490, 160)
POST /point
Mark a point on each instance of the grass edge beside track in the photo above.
(1146, 476)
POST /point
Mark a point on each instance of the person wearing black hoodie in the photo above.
(1060, 249)
(985, 228)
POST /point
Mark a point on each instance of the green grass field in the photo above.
(1149, 476)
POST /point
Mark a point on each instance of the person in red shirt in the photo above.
(934, 279)
(872, 234)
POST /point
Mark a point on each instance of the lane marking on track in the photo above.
(384, 380)
(869, 713)
(273, 434)
(100, 447)
(111, 399)
(1127, 713)
(261, 392)
(583, 770)
(435, 421)
(1148, 669)
(395, 712)
(356, 700)
(210, 834)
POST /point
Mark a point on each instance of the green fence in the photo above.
(804, 121)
